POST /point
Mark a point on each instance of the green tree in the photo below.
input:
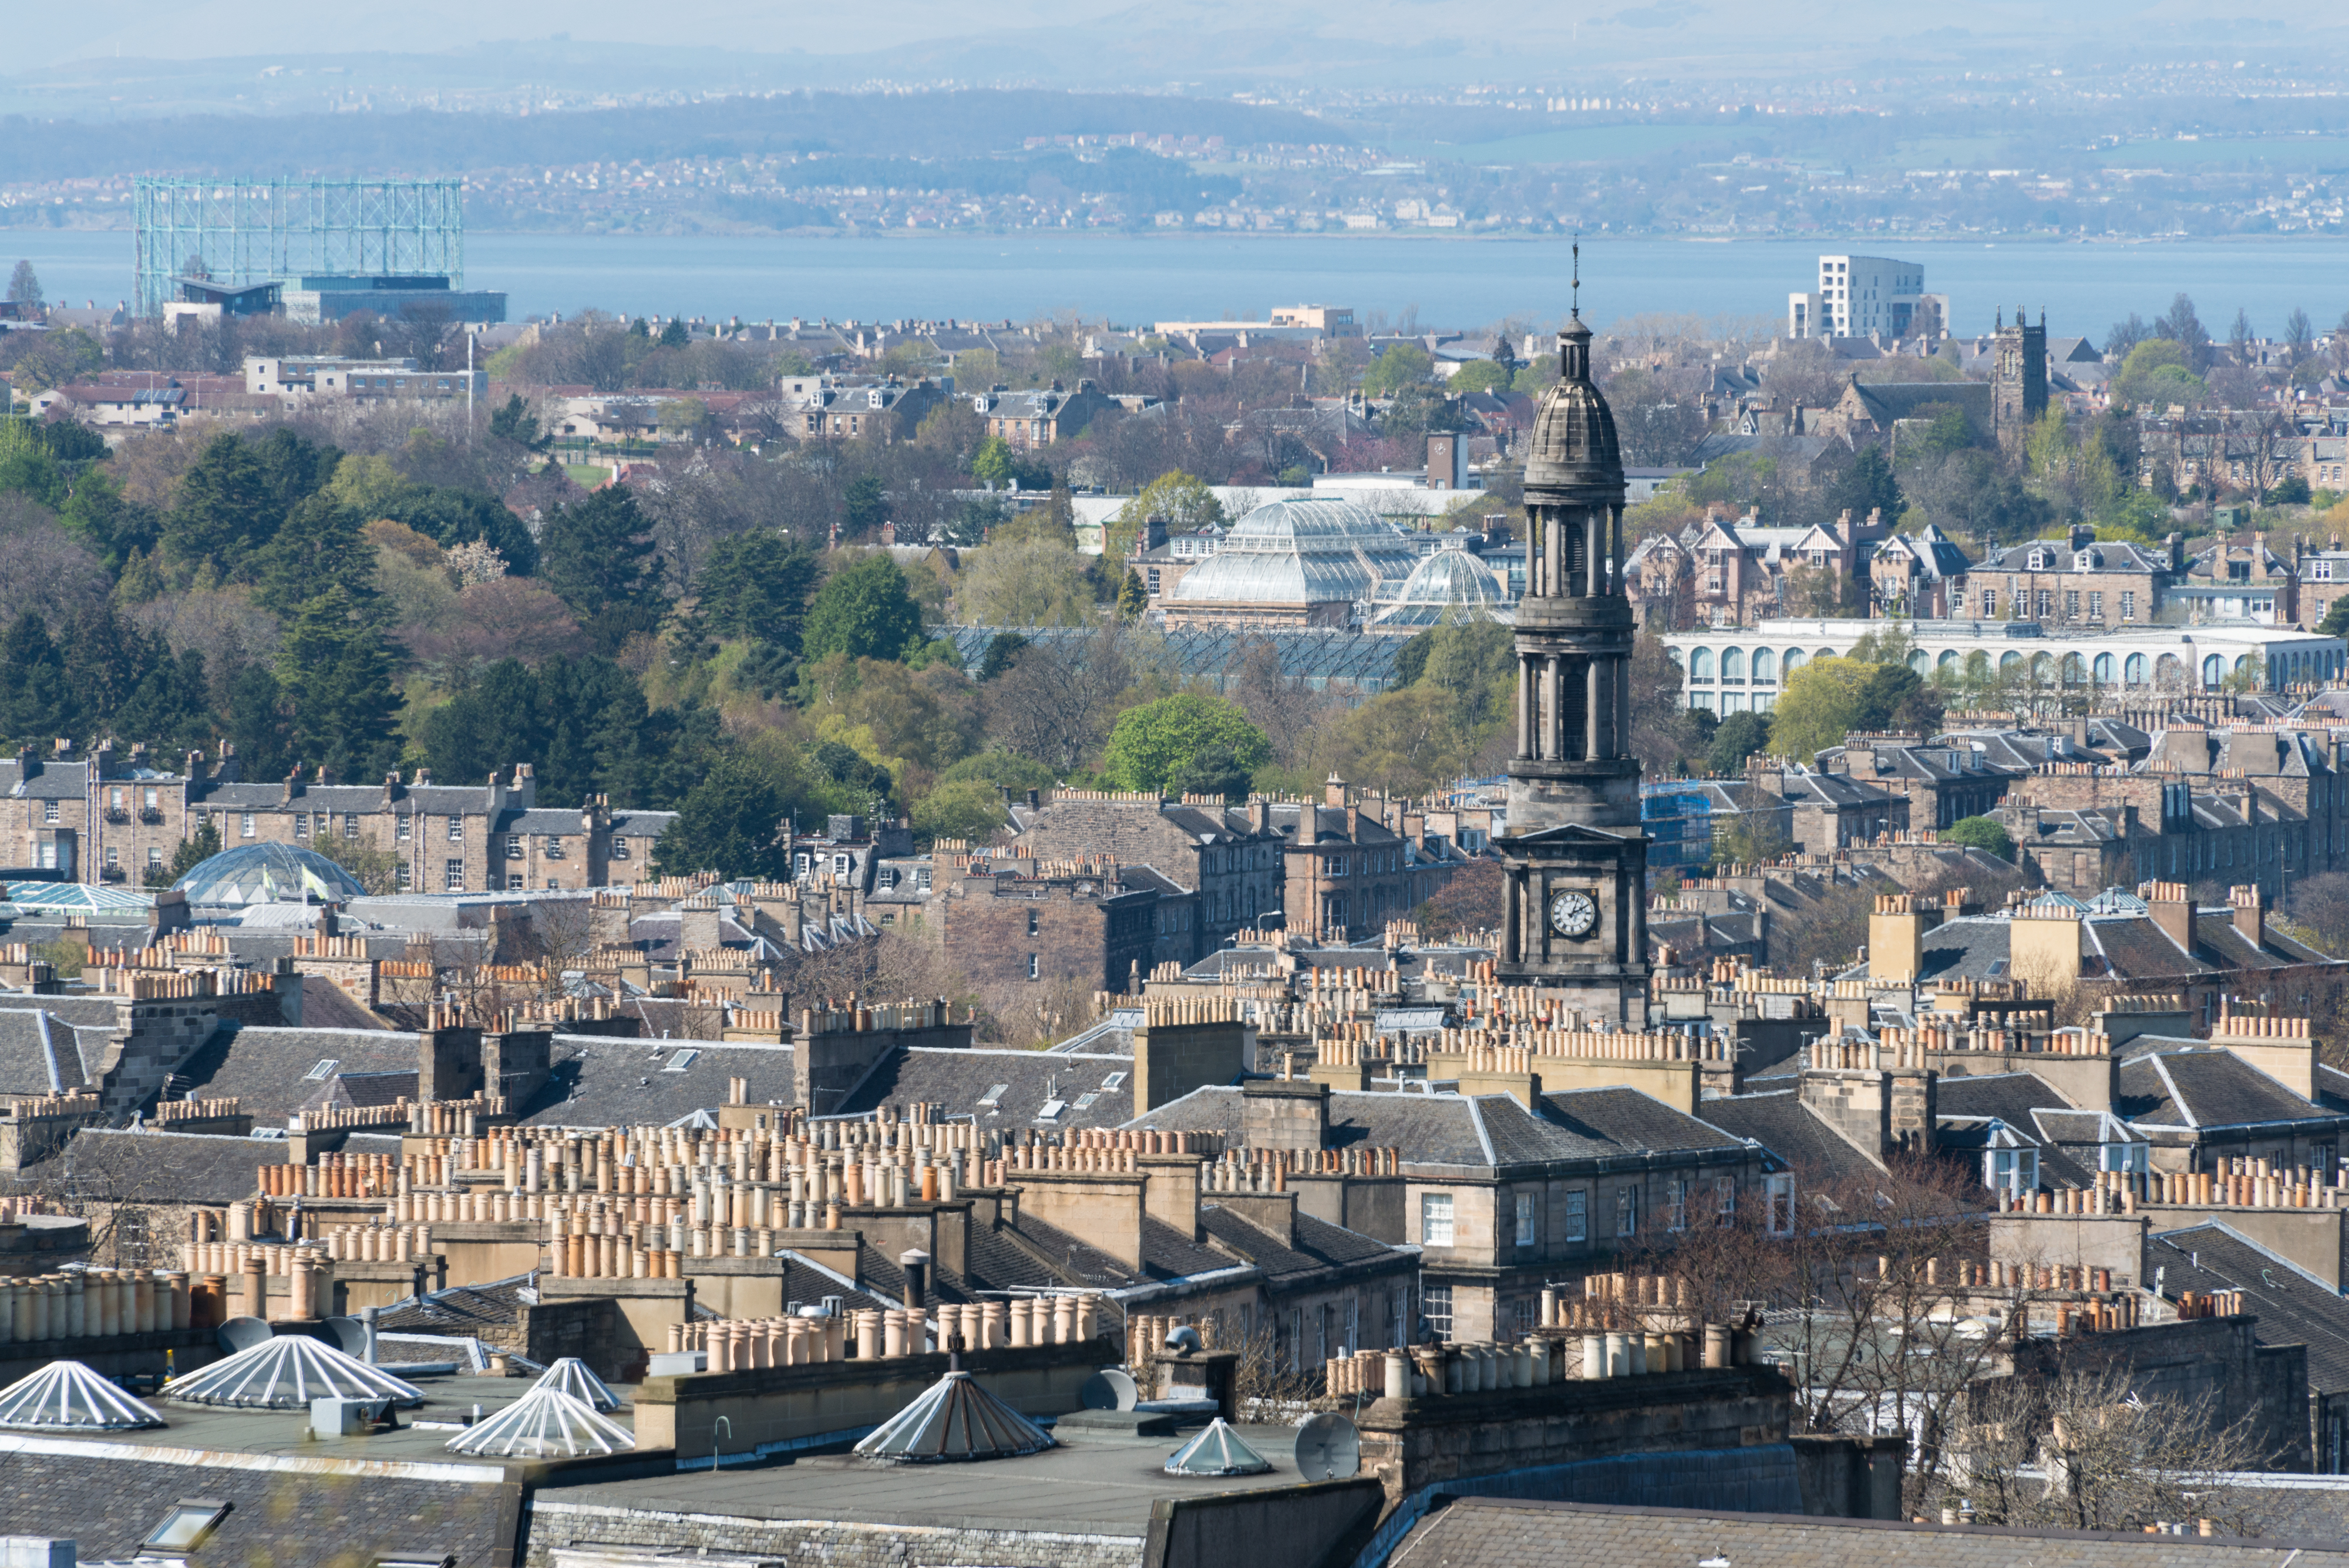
(225, 508)
(1738, 737)
(1002, 648)
(1980, 832)
(1479, 375)
(337, 671)
(598, 554)
(864, 612)
(967, 809)
(1820, 705)
(996, 463)
(1866, 484)
(1023, 582)
(1004, 770)
(516, 423)
(1398, 365)
(319, 545)
(1152, 742)
(190, 853)
(2336, 618)
(1214, 770)
(37, 702)
(1184, 502)
(732, 823)
(865, 506)
(757, 585)
(1132, 599)
(675, 335)
(2141, 379)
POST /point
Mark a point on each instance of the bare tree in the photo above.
(1057, 701)
(2082, 1450)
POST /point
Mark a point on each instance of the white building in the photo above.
(1737, 670)
(1863, 296)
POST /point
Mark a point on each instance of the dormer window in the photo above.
(2038, 560)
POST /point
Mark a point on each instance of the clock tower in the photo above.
(1575, 918)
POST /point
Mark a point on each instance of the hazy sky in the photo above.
(1069, 41)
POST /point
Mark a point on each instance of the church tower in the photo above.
(1575, 918)
(2018, 382)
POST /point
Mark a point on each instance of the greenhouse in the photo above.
(267, 874)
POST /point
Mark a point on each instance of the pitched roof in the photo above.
(1780, 1123)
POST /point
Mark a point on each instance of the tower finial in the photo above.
(1577, 275)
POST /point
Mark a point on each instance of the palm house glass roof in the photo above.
(1301, 552)
(268, 874)
(1452, 582)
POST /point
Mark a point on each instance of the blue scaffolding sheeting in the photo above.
(1322, 659)
(1678, 819)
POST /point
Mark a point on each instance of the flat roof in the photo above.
(1102, 1481)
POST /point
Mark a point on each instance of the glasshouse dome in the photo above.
(1299, 552)
(1449, 584)
(268, 874)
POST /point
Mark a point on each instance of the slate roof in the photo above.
(1319, 1246)
(25, 1060)
(484, 1311)
(1480, 1131)
(108, 1502)
(268, 1069)
(1780, 1123)
(598, 1080)
(2207, 1089)
(2293, 1307)
(115, 1164)
(1498, 1532)
(958, 1079)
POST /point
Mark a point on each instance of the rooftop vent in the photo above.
(952, 1420)
(66, 1396)
(545, 1423)
(285, 1372)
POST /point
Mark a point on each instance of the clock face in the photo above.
(1574, 914)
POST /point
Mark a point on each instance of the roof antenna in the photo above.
(1577, 275)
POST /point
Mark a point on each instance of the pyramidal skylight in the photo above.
(285, 1372)
(955, 1418)
(572, 1376)
(1217, 1451)
(545, 1423)
(66, 1396)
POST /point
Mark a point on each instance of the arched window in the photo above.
(1765, 668)
(2168, 672)
(1825, 653)
(2133, 669)
(1949, 660)
(1920, 662)
(1794, 662)
(2214, 670)
(2104, 668)
(1701, 664)
(2009, 662)
(1978, 665)
(1733, 665)
(2075, 669)
(2042, 665)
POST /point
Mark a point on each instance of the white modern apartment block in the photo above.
(1863, 296)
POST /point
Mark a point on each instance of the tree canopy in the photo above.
(1153, 742)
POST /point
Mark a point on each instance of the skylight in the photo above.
(1052, 1109)
(1085, 1100)
(1115, 1080)
(185, 1527)
(325, 1069)
(995, 1093)
(681, 1062)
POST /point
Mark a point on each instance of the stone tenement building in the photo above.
(1942, 784)
(2251, 807)
(2072, 581)
(1010, 922)
(1366, 859)
(108, 818)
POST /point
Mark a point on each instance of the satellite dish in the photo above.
(1109, 1389)
(350, 1335)
(242, 1334)
(1185, 1339)
(1328, 1448)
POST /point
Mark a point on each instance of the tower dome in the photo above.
(1574, 445)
